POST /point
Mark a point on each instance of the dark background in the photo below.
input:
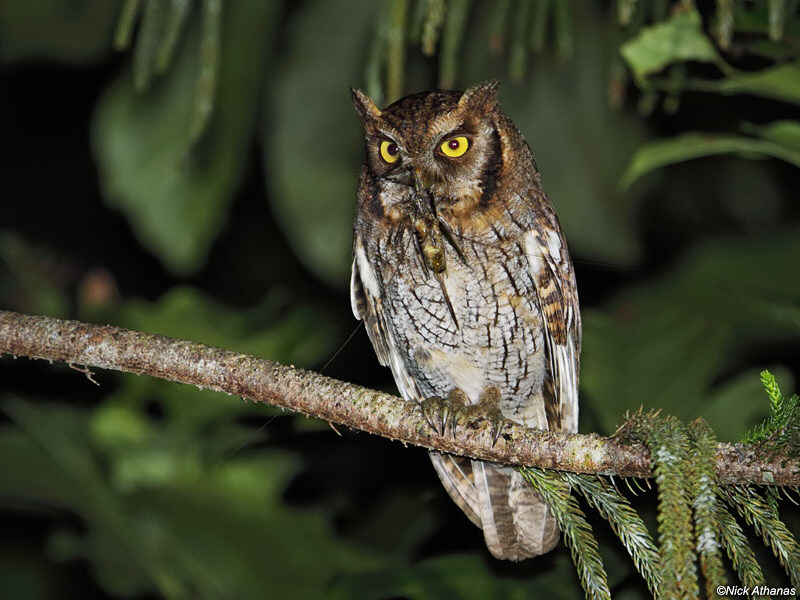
(112, 212)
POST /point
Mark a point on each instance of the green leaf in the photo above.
(666, 438)
(565, 116)
(731, 406)
(462, 577)
(174, 194)
(703, 488)
(61, 434)
(299, 337)
(689, 146)
(779, 83)
(314, 149)
(166, 539)
(664, 344)
(784, 133)
(738, 548)
(679, 39)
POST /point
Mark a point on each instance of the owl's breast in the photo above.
(490, 335)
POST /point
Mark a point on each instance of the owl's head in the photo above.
(442, 141)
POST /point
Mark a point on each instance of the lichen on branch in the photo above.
(356, 407)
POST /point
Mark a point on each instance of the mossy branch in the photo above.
(356, 407)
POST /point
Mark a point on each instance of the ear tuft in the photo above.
(482, 96)
(364, 105)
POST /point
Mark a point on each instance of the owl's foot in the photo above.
(455, 410)
(488, 408)
(443, 412)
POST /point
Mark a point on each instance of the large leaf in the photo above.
(664, 344)
(781, 142)
(566, 118)
(779, 83)
(174, 195)
(681, 38)
(229, 535)
(197, 423)
(299, 337)
(313, 152)
(784, 133)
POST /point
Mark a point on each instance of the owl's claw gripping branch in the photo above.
(456, 411)
(309, 393)
(443, 412)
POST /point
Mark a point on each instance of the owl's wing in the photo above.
(554, 280)
(367, 303)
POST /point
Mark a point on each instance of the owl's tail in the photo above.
(515, 520)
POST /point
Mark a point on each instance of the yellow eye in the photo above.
(389, 151)
(455, 146)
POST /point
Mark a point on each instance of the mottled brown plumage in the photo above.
(462, 276)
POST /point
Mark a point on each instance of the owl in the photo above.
(462, 276)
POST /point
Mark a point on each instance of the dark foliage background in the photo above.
(671, 156)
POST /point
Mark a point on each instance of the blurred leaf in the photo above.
(173, 27)
(779, 83)
(61, 433)
(461, 577)
(679, 39)
(33, 285)
(784, 133)
(297, 337)
(315, 142)
(148, 41)
(59, 30)
(176, 196)
(455, 25)
(664, 343)
(196, 428)
(688, 146)
(208, 78)
(128, 16)
(142, 454)
(565, 117)
(228, 535)
(280, 551)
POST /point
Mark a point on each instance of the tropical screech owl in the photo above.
(462, 276)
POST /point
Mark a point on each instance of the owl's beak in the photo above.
(417, 178)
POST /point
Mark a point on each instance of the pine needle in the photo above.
(668, 442)
(765, 520)
(576, 530)
(624, 521)
(738, 549)
(704, 502)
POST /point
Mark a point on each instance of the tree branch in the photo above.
(351, 405)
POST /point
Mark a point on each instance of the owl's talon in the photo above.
(497, 429)
(443, 417)
(431, 407)
(443, 412)
(488, 407)
(435, 410)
